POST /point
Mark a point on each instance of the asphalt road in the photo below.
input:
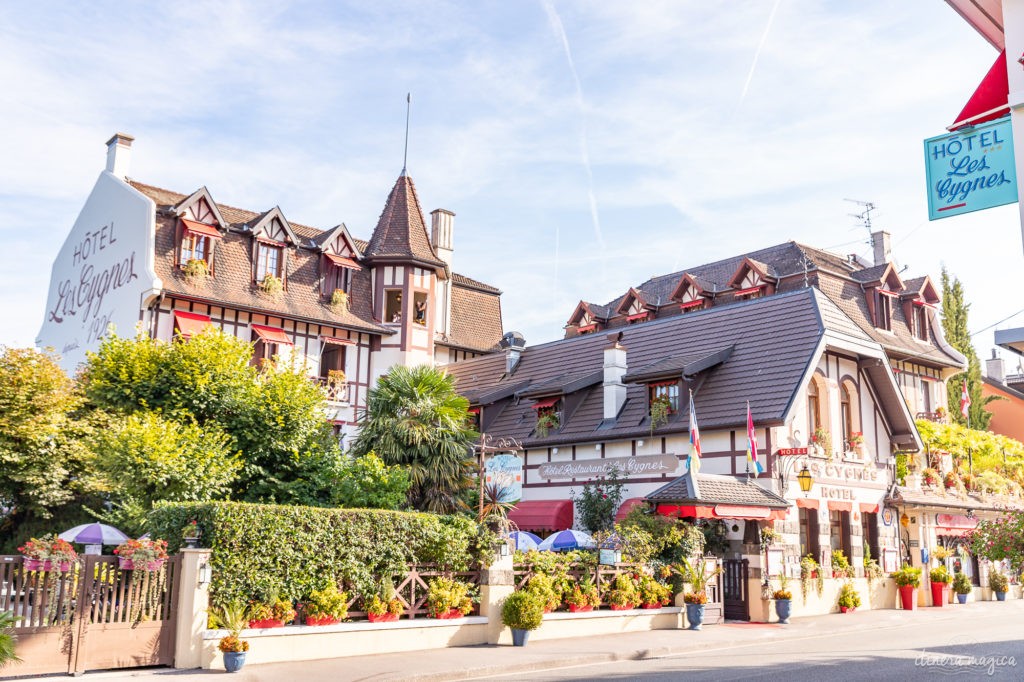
(973, 646)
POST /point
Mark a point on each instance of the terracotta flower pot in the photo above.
(938, 594)
(622, 607)
(847, 609)
(451, 613)
(321, 620)
(908, 594)
(652, 605)
(266, 623)
(382, 617)
(580, 609)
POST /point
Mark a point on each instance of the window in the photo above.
(750, 295)
(869, 534)
(665, 391)
(813, 408)
(839, 531)
(809, 533)
(336, 278)
(419, 308)
(332, 359)
(268, 261)
(846, 415)
(883, 312)
(393, 305)
(194, 247)
(920, 323)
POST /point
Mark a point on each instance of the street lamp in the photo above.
(805, 480)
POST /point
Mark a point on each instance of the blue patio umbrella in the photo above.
(523, 540)
(567, 539)
(94, 534)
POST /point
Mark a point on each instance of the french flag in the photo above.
(694, 460)
(752, 442)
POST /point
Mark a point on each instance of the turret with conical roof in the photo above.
(401, 233)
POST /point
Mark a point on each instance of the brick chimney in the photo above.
(119, 154)
(614, 370)
(882, 242)
(995, 369)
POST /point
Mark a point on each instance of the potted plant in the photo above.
(273, 613)
(232, 617)
(809, 570)
(545, 423)
(962, 586)
(783, 600)
(582, 596)
(141, 555)
(48, 553)
(856, 441)
(381, 610)
(448, 598)
(907, 579)
(939, 578)
(661, 408)
(841, 567)
(544, 587)
(191, 534)
(522, 611)
(821, 441)
(653, 594)
(849, 598)
(325, 607)
(930, 476)
(271, 285)
(697, 575)
(1000, 584)
(195, 270)
(339, 300)
(623, 594)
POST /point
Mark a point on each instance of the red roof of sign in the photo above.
(990, 100)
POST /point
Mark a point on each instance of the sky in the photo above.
(583, 146)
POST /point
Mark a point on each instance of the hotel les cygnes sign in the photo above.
(970, 170)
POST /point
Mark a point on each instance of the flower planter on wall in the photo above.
(451, 613)
(622, 607)
(321, 620)
(655, 605)
(382, 618)
(266, 623)
(129, 565)
(573, 608)
(908, 597)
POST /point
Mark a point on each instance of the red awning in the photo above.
(990, 100)
(722, 511)
(336, 341)
(953, 532)
(627, 507)
(474, 410)
(542, 514)
(638, 316)
(201, 228)
(833, 505)
(271, 334)
(343, 262)
(683, 511)
(807, 503)
(545, 402)
(190, 324)
(866, 508)
(690, 304)
(748, 290)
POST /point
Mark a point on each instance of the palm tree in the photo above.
(414, 418)
(7, 638)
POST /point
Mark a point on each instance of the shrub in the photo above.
(582, 594)
(447, 594)
(848, 596)
(378, 607)
(327, 602)
(782, 594)
(652, 591)
(272, 609)
(293, 550)
(998, 582)
(962, 584)
(623, 591)
(907, 576)
(271, 286)
(939, 575)
(840, 565)
(930, 476)
(8, 638)
(543, 586)
(523, 611)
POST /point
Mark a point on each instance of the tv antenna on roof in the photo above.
(864, 216)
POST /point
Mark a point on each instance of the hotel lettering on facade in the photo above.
(345, 309)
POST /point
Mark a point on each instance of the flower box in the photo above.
(653, 605)
(451, 613)
(621, 607)
(33, 564)
(382, 618)
(266, 624)
(130, 565)
(573, 608)
(321, 620)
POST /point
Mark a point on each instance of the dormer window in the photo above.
(197, 243)
(883, 310)
(664, 392)
(549, 416)
(920, 322)
(338, 273)
(268, 260)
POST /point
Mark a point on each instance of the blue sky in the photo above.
(584, 146)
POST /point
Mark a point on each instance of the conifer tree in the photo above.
(954, 327)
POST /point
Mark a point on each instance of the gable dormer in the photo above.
(752, 279)
(634, 307)
(200, 226)
(339, 261)
(691, 294)
(271, 234)
(919, 297)
(586, 319)
(882, 291)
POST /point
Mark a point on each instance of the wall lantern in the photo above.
(904, 520)
(805, 480)
(205, 574)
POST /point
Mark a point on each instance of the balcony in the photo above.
(336, 389)
(938, 417)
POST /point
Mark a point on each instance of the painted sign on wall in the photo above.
(103, 273)
(970, 170)
(650, 465)
(506, 472)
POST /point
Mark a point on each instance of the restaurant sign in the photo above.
(641, 465)
(970, 169)
(505, 472)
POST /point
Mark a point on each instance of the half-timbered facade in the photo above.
(344, 309)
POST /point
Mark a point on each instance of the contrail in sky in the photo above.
(556, 25)
(757, 54)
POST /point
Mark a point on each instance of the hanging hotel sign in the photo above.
(971, 169)
(641, 465)
(505, 472)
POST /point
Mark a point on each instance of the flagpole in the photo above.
(749, 445)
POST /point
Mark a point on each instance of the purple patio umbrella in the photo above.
(524, 540)
(567, 539)
(94, 534)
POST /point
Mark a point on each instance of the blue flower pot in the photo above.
(234, 660)
(783, 607)
(520, 637)
(695, 615)
(1000, 596)
(962, 598)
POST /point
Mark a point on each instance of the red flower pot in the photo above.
(321, 620)
(580, 609)
(125, 564)
(452, 613)
(938, 594)
(653, 605)
(907, 597)
(154, 565)
(847, 609)
(265, 624)
(382, 618)
(623, 607)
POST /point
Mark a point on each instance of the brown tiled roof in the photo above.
(714, 489)
(463, 281)
(401, 231)
(476, 316)
(940, 498)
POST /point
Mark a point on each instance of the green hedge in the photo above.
(260, 550)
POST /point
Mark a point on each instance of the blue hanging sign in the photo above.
(971, 169)
(505, 472)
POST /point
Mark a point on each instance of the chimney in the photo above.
(512, 343)
(442, 228)
(614, 370)
(119, 154)
(882, 242)
(995, 369)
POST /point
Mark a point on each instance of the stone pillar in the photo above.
(497, 582)
(193, 601)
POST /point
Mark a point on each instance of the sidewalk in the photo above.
(465, 663)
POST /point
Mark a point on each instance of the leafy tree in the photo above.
(145, 458)
(598, 501)
(954, 327)
(415, 419)
(368, 483)
(672, 539)
(1000, 539)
